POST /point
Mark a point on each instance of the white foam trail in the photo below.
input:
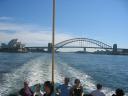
(65, 70)
(35, 71)
(38, 70)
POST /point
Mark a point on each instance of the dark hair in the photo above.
(119, 92)
(67, 79)
(25, 82)
(76, 81)
(113, 95)
(99, 86)
(49, 85)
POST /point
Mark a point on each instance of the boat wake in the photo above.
(38, 70)
(35, 71)
(65, 69)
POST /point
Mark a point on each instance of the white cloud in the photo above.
(5, 18)
(31, 35)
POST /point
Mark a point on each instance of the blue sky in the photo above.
(30, 20)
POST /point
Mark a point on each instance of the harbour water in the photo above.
(109, 70)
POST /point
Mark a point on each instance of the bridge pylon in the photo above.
(114, 48)
(84, 49)
(49, 47)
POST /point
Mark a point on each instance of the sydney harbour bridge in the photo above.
(84, 43)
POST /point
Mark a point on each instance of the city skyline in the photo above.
(31, 21)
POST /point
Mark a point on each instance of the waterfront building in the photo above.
(13, 46)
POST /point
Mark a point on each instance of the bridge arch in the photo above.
(92, 41)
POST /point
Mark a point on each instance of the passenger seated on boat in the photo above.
(87, 95)
(48, 88)
(38, 91)
(119, 92)
(98, 92)
(64, 89)
(77, 89)
(26, 91)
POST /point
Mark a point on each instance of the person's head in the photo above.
(66, 80)
(113, 95)
(99, 86)
(48, 87)
(119, 92)
(77, 82)
(25, 84)
(37, 87)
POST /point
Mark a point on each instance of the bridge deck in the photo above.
(68, 47)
